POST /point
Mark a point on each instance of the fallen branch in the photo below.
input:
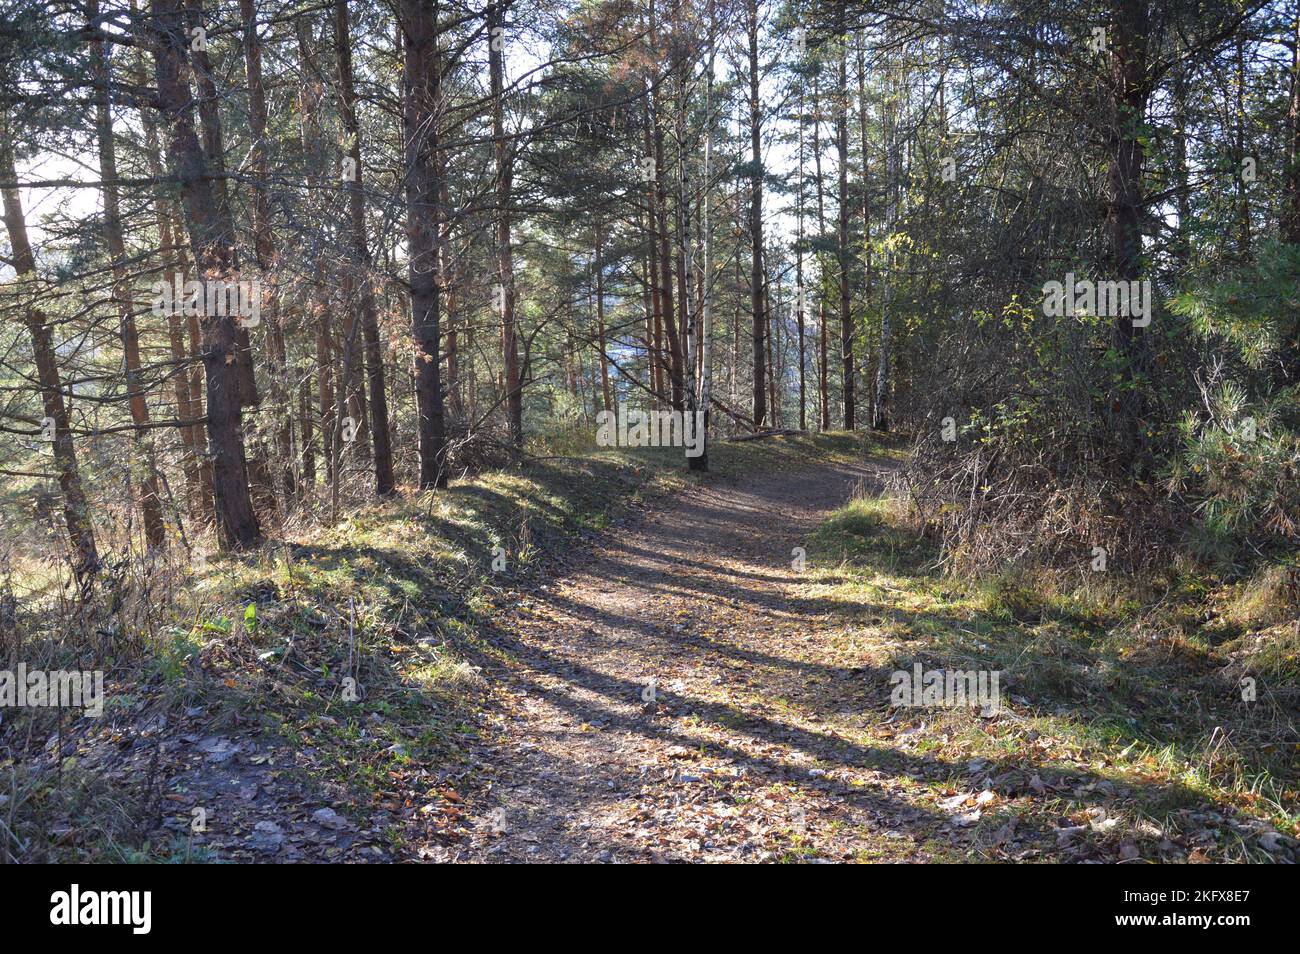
(779, 432)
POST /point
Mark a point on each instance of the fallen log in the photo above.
(778, 432)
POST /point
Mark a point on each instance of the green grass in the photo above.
(1106, 682)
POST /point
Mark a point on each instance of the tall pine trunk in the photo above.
(189, 404)
(880, 409)
(842, 226)
(267, 257)
(76, 513)
(1290, 369)
(374, 363)
(759, 330)
(144, 460)
(1124, 203)
(420, 134)
(211, 241)
(505, 293)
(823, 366)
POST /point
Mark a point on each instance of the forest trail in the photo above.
(744, 752)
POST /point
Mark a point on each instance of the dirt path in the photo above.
(742, 754)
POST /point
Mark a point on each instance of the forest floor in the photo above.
(660, 675)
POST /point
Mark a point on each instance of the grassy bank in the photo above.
(1123, 733)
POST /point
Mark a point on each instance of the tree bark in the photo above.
(214, 258)
(600, 319)
(801, 299)
(420, 118)
(823, 385)
(374, 364)
(150, 503)
(267, 254)
(756, 220)
(501, 150)
(655, 332)
(214, 151)
(1124, 203)
(893, 175)
(189, 405)
(76, 513)
(1291, 202)
(449, 277)
(842, 231)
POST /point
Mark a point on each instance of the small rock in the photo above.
(217, 749)
(329, 818)
(267, 836)
(1272, 842)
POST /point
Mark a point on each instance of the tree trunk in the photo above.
(214, 258)
(667, 308)
(318, 311)
(801, 299)
(706, 332)
(823, 385)
(866, 212)
(189, 406)
(267, 257)
(449, 277)
(756, 220)
(195, 367)
(214, 152)
(150, 504)
(893, 175)
(600, 320)
(374, 363)
(308, 472)
(1124, 206)
(1291, 202)
(697, 397)
(76, 514)
(1182, 244)
(420, 135)
(842, 231)
(505, 295)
